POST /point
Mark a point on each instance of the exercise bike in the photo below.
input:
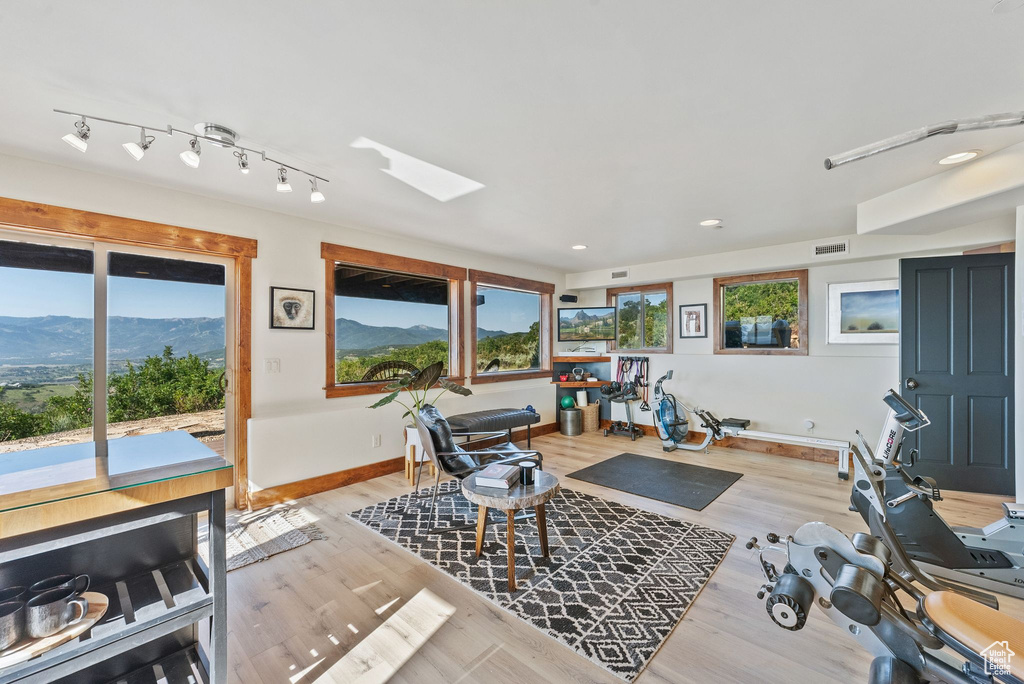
(991, 558)
(673, 426)
(622, 393)
(940, 637)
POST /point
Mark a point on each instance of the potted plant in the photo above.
(417, 384)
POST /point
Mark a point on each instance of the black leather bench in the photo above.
(495, 420)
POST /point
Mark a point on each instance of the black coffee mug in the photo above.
(52, 611)
(12, 623)
(77, 585)
(526, 472)
(12, 594)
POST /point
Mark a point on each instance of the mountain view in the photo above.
(354, 336)
(67, 340)
(583, 325)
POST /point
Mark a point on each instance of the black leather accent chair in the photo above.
(456, 459)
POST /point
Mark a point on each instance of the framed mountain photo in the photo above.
(292, 309)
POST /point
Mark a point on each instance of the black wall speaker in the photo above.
(568, 298)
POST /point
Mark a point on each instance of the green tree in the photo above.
(17, 424)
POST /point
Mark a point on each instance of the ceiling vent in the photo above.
(824, 250)
(621, 274)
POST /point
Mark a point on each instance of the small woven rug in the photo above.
(257, 535)
(617, 582)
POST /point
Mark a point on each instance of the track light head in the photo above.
(80, 138)
(315, 196)
(282, 180)
(138, 149)
(243, 162)
(190, 157)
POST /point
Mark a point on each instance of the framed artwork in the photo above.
(292, 309)
(864, 313)
(693, 320)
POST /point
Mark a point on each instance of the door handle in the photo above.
(912, 384)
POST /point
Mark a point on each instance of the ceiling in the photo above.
(619, 125)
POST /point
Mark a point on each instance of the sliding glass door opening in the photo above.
(46, 345)
(154, 321)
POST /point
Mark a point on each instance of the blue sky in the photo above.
(28, 292)
(502, 310)
(883, 305)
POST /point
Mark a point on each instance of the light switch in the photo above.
(271, 365)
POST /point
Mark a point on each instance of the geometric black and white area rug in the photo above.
(616, 584)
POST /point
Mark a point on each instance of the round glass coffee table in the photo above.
(520, 496)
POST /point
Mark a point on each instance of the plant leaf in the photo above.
(426, 378)
(384, 401)
(456, 388)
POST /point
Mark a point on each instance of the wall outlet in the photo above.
(271, 365)
(375, 443)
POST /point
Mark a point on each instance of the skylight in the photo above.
(441, 184)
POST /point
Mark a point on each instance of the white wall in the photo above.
(839, 387)
(296, 432)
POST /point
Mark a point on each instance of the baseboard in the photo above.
(322, 483)
(762, 447)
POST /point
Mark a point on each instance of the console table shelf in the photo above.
(126, 513)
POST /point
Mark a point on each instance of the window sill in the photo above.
(802, 351)
(356, 389)
(628, 352)
(509, 376)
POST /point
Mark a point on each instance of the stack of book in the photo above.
(498, 476)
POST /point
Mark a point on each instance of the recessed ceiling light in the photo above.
(711, 222)
(579, 246)
(959, 157)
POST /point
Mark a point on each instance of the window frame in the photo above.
(611, 299)
(56, 222)
(546, 292)
(800, 275)
(339, 254)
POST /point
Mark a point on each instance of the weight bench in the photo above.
(494, 420)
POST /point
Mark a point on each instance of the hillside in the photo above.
(352, 335)
(67, 340)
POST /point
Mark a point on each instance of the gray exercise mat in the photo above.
(676, 483)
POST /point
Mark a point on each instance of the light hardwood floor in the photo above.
(299, 616)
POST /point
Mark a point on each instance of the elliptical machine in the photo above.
(860, 583)
(991, 557)
(673, 426)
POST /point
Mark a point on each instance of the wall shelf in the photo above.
(572, 383)
(582, 359)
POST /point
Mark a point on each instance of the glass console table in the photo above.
(126, 512)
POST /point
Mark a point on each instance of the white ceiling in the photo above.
(619, 125)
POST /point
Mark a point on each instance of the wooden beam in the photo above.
(242, 390)
(120, 230)
(511, 282)
(388, 262)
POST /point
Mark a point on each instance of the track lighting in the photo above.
(138, 149)
(190, 157)
(215, 134)
(315, 196)
(79, 139)
(282, 180)
(243, 162)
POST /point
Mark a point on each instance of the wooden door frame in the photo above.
(45, 219)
